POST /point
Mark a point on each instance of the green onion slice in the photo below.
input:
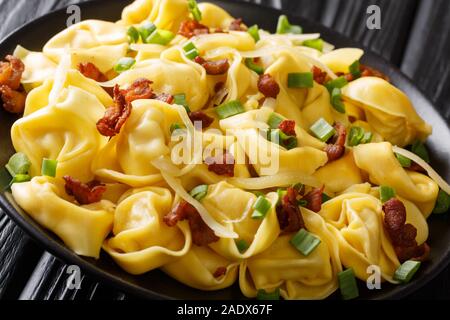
(404, 161)
(336, 100)
(281, 193)
(199, 192)
(347, 284)
(146, 29)
(419, 149)
(302, 202)
(355, 69)
(305, 242)
(322, 130)
(133, 34)
(355, 136)
(159, 36)
(300, 80)
(386, 193)
(19, 178)
(279, 137)
(229, 109)
(175, 126)
(442, 203)
(264, 295)
(406, 271)
(254, 32)
(241, 245)
(261, 207)
(180, 99)
(189, 46)
(367, 137)
(18, 164)
(194, 9)
(274, 121)
(284, 26)
(325, 197)
(124, 64)
(253, 66)
(49, 167)
(314, 43)
(336, 83)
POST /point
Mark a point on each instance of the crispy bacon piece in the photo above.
(139, 89)
(222, 165)
(115, 116)
(164, 97)
(288, 212)
(268, 86)
(319, 76)
(201, 234)
(84, 193)
(415, 167)
(90, 70)
(402, 234)
(213, 68)
(367, 71)
(11, 72)
(314, 199)
(190, 28)
(13, 101)
(288, 127)
(336, 149)
(220, 271)
(236, 25)
(201, 116)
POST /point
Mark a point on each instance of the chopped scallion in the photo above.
(404, 161)
(229, 109)
(336, 100)
(314, 43)
(194, 9)
(49, 167)
(367, 137)
(264, 295)
(419, 149)
(300, 80)
(322, 130)
(355, 69)
(133, 34)
(189, 46)
(253, 66)
(146, 29)
(254, 32)
(241, 245)
(174, 127)
(180, 99)
(302, 202)
(442, 203)
(279, 137)
(305, 242)
(386, 193)
(336, 83)
(261, 207)
(124, 64)
(281, 193)
(284, 26)
(325, 197)
(274, 121)
(355, 136)
(199, 192)
(159, 36)
(18, 164)
(347, 284)
(406, 271)
(19, 178)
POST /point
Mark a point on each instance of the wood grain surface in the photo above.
(414, 36)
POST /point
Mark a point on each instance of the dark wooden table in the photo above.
(414, 36)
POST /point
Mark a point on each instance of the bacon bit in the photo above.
(236, 25)
(319, 76)
(336, 149)
(288, 127)
(190, 28)
(115, 116)
(220, 271)
(222, 165)
(84, 193)
(11, 72)
(213, 68)
(201, 234)
(164, 97)
(415, 167)
(288, 212)
(403, 236)
(268, 86)
(13, 101)
(367, 71)
(139, 89)
(314, 199)
(90, 70)
(201, 116)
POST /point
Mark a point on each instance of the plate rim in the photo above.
(61, 251)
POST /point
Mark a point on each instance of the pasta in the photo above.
(179, 138)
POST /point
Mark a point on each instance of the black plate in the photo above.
(156, 284)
